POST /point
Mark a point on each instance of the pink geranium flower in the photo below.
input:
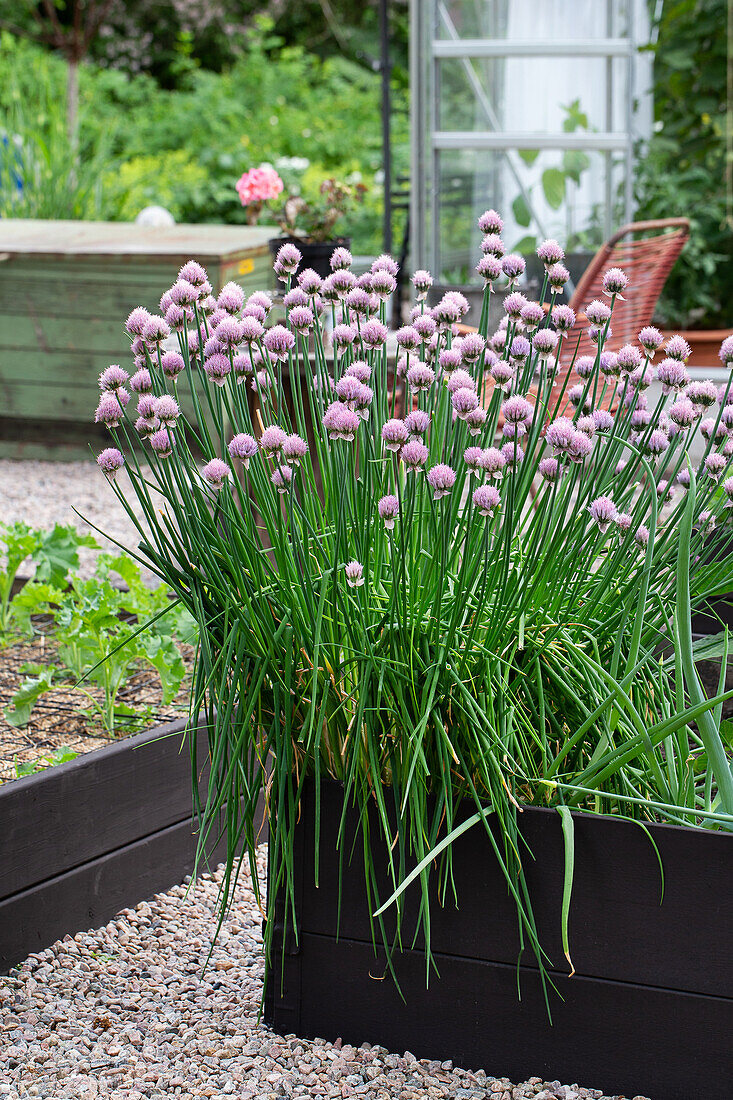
(258, 186)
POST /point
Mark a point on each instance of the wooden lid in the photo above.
(123, 240)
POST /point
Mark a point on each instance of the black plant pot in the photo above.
(649, 1010)
(575, 262)
(316, 254)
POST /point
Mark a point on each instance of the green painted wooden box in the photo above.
(66, 289)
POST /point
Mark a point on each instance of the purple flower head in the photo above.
(603, 512)
(329, 292)
(229, 333)
(408, 338)
(155, 331)
(177, 317)
(614, 281)
(578, 398)
(425, 326)
(261, 383)
(147, 407)
(272, 440)
(545, 343)
(414, 455)
(137, 320)
(725, 395)
(373, 334)
(550, 253)
(343, 336)
(629, 358)
(309, 281)
(215, 473)
(340, 421)
(417, 423)
(279, 341)
(162, 443)
(513, 431)
(490, 222)
(563, 318)
(389, 509)
(586, 425)
(650, 339)
(342, 281)
(665, 491)
(449, 361)
(513, 267)
(422, 281)
(673, 375)
(420, 377)
(341, 258)
(520, 349)
(289, 258)
(302, 319)
(517, 410)
(260, 300)
(213, 346)
(354, 574)
(243, 447)
(513, 455)
(533, 315)
(110, 461)
(726, 418)
(550, 469)
(460, 380)
(183, 293)
(703, 394)
(244, 364)
(295, 297)
(602, 420)
(598, 313)
(475, 420)
(217, 368)
(138, 347)
(113, 378)
(109, 410)
(623, 522)
(503, 375)
(167, 411)
(609, 364)
(383, 284)
(640, 418)
(472, 457)
(252, 309)
(489, 268)
(580, 447)
(141, 382)
(678, 348)
(492, 462)
(394, 434)
(514, 303)
(726, 350)
(472, 347)
(359, 370)
(359, 301)
(387, 263)
(585, 365)
(709, 428)
(727, 488)
(559, 434)
(207, 306)
(147, 427)
(641, 378)
(448, 310)
(493, 245)
(656, 444)
(193, 273)
(172, 363)
(441, 479)
(486, 499)
(557, 276)
(641, 536)
(715, 464)
(282, 478)
(464, 401)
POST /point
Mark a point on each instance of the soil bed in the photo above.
(63, 720)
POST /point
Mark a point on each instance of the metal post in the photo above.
(386, 112)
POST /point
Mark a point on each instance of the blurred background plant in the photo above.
(683, 169)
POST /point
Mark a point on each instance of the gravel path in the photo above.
(124, 1013)
(44, 493)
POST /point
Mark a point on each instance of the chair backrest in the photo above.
(647, 260)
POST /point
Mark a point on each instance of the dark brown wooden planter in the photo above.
(82, 840)
(649, 1010)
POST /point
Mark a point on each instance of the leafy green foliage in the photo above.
(57, 756)
(682, 171)
(27, 695)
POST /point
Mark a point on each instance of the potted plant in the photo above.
(306, 222)
(465, 662)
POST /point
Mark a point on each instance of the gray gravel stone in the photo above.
(123, 1012)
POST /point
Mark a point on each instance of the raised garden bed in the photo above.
(648, 1011)
(84, 839)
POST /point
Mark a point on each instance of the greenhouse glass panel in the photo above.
(532, 108)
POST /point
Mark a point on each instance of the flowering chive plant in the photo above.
(469, 584)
